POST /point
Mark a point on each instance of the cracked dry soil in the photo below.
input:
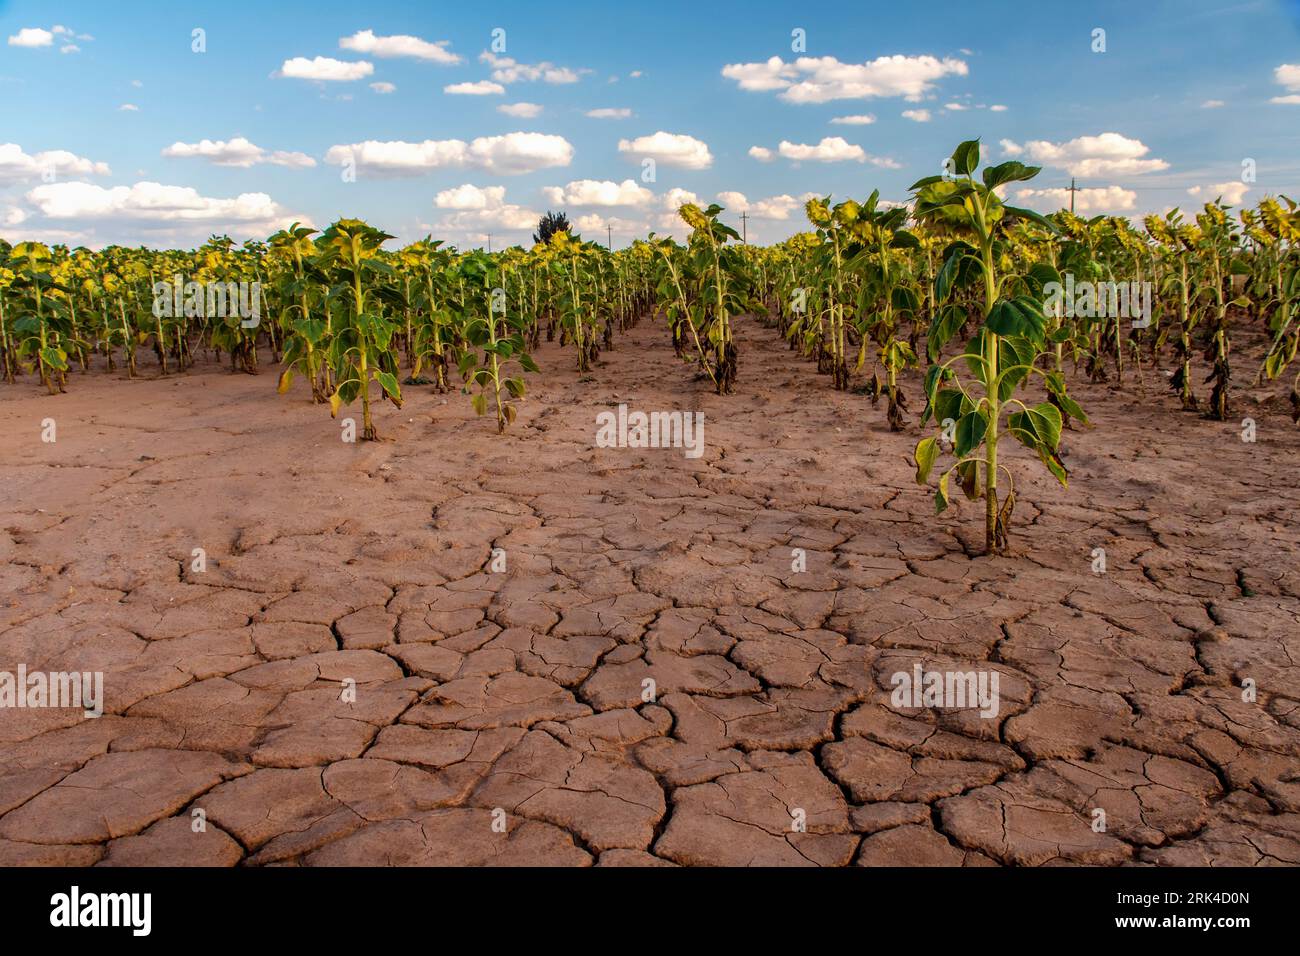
(523, 690)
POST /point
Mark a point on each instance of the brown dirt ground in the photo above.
(523, 690)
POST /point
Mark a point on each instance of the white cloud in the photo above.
(956, 107)
(508, 154)
(1089, 200)
(1212, 104)
(237, 152)
(610, 113)
(859, 120)
(31, 37)
(635, 74)
(477, 88)
(1230, 192)
(520, 152)
(383, 87)
(917, 116)
(821, 79)
(997, 108)
(17, 166)
(477, 210)
(128, 108)
(469, 196)
(166, 215)
(1109, 154)
(325, 68)
(69, 48)
(365, 41)
(832, 149)
(591, 192)
(730, 199)
(671, 149)
(677, 197)
(773, 207)
(1287, 75)
(520, 110)
(508, 70)
(137, 84)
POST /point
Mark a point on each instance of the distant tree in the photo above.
(550, 224)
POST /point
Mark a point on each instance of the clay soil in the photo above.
(648, 681)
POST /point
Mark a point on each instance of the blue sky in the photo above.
(107, 107)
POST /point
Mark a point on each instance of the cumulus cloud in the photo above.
(822, 79)
(1090, 200)
(238, 152)
(382, 87)
(591, 192)
(1109, 154)
(469, 196)
(998, 108)
(832, 149)
(150, 211)
(864, 119)
(1287, 75)
(520, 110)
(917, 116)
(1212, 104)
(1230, 192)
(677, 197)
(508, 70)
(365, 41)
(610, 113)
(17, 166)
(128, 108)
(32, 37)
(773, 207)
(670, 149)
(508, 154)
(326, 69)
(477, 210)
(477, 88)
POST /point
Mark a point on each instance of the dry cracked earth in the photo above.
(516, 698)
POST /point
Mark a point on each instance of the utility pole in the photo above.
(609, 233)
(744, 230)
(1073, 190)
(489, 238)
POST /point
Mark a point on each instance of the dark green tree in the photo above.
(550, 224)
